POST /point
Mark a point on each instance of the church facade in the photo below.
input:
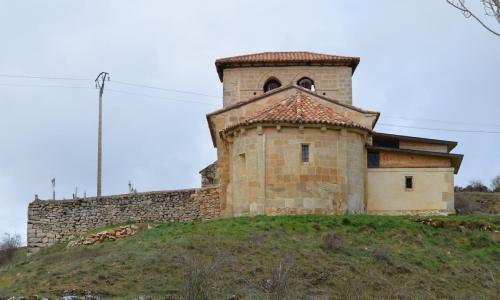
(290, 141)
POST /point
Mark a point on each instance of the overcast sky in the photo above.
(421, 62)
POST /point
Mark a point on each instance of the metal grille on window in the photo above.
(409, 182)
(271, 84)
(306, 83)
(305, 153)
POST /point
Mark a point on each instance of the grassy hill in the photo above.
(294, 257)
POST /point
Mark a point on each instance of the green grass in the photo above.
(417, 261)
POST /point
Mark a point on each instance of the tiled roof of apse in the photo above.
(299, 108)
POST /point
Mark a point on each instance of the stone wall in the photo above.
(267, 176)
(245, 83)
(344, 187)
(54, 221)
(209, 175)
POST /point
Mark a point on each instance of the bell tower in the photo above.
(252, 75)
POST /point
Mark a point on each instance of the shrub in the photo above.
(495, 184)
(278, 285)
(476, 186)
(346, 221)
(466, 205)
(481, 241)
(8, 247)
(332, 242)
(383, 254)
(351, 288)
(198, 279)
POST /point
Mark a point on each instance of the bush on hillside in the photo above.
(466, 205)
(198, 279)
(332, 242)
(8, 247)
(278, 286)
(383, 254)
(476, 186)
(495, 184)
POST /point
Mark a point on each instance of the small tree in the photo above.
(491, 9)
(476, 186)
(495, 184)
(8, 247)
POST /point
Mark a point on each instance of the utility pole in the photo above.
(53, 182)
(99, 83)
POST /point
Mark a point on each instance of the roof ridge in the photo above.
(285, 58)
(285, 87)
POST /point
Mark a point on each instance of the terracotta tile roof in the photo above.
(299, 109)
(283, 88)
(284, 59)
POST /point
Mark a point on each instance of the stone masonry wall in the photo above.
(245, 83)
(209, 175)
(55, 221)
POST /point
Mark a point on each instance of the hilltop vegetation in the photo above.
(477, 203)
(293, 257)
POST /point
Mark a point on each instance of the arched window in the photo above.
(271, 84)
(306, 83)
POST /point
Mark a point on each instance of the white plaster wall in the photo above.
(432, 191)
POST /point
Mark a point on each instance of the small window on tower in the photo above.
(306, 83)
(271, 84)
(304, 152)
(242, 165)
(409, 183)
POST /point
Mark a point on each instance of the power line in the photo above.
(114, 81)
(158, 97)
(163, 89)
(43, 86)
(441, 121)
(208, 95)
(110, 90)
(41, 77)
(440, 129)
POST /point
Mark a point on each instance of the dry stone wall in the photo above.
(209, 175)
(55, 221)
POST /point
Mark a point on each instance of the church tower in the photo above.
(248, 76)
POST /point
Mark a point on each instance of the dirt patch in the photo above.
(88, 294)
(111, 234)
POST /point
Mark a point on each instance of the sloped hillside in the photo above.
(296, 257)
(477, 203)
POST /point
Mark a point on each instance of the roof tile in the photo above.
(299, 108)
(285, 59)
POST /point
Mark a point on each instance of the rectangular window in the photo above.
(304, 152)
(409, 182)
(242, 165)
(373, 159)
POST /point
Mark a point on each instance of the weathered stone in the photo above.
(65, 219)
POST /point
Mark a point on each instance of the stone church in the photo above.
(290, 141)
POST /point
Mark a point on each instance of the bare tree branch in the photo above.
(491, 7)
